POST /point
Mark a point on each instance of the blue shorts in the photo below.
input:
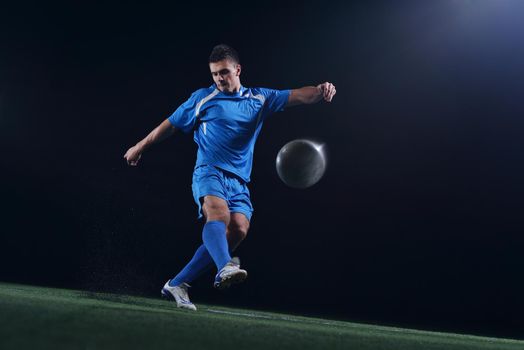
(209, 180)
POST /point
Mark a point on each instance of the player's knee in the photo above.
(216, 210)
(218, 216)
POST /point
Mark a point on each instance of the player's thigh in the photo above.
(215, 209)
(210, 193)
(240, 204)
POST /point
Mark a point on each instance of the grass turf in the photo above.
(35, 317)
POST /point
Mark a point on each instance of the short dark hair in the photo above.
(222, 52)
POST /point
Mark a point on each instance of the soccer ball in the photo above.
(301, 163)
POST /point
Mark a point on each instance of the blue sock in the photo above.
(214, 237)
(199, 264)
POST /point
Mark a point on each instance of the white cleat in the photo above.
(179, 294)
(230, 274)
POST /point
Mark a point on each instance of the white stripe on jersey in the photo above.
(201, 103)
(262, 99)
(204, 100)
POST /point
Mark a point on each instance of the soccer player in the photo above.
(225, 119)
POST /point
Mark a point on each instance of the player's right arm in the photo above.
(161, 132)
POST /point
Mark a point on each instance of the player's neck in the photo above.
(236, 90)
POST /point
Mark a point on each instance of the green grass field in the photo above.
(45, 318)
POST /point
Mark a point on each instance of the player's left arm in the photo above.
(311, 94)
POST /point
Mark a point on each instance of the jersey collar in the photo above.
(242, 92)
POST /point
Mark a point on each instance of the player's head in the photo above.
(225, 68)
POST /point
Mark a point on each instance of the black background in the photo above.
(417, 222)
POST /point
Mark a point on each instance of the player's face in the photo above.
(226, 75)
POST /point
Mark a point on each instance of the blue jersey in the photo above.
(226, 126)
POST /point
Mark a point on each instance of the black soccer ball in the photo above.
(301, 163)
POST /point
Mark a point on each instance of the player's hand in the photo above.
(328, 91)
(133, 155)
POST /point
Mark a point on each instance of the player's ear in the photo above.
(239, 69)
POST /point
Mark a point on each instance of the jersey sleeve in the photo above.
(184, 117)
(275, 100)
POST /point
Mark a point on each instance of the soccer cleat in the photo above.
(179, 294)
(230, 274)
